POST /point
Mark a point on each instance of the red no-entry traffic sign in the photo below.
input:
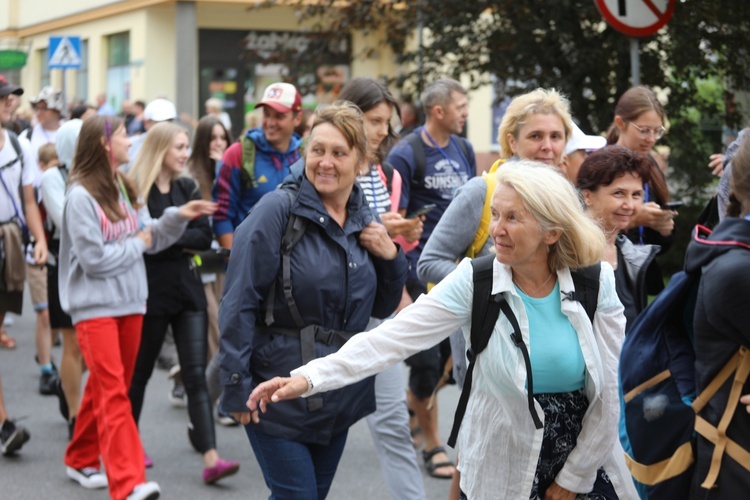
(636, 17)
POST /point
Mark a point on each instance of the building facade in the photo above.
(190, 50)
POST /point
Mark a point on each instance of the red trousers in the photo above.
(105, 425)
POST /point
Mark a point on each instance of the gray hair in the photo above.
(438, 93)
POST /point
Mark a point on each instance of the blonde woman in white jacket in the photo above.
(540, 233)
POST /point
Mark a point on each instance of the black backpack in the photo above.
(485, 312)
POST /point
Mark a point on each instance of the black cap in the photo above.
(7, 89)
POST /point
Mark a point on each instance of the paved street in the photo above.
(38, 471)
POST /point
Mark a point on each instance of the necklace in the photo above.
(540, 287)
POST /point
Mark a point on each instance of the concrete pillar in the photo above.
(186, 59)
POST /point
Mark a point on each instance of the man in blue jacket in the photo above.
(259, 161)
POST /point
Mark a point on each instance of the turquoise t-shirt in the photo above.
(557, 362)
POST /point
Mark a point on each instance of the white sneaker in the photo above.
(88, 477)
(145, 491)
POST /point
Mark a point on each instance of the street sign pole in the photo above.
(635, 62)
(64, 53)
(64, 95)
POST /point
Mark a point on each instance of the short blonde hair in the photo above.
(544, 101)
(555, 204)
(150, 159)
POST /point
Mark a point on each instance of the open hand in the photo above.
(275, 390)
(378, 242)
(716, 164)
(196, 208)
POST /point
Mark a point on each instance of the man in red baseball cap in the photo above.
(254, 166)
(259, 161)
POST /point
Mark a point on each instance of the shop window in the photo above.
(118, 69)
(44, 80)
(82, 73)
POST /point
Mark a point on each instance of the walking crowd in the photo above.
(295, 268)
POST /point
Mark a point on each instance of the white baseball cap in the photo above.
(51, 96)
(579, 140)
(282, 97)
(160, 110)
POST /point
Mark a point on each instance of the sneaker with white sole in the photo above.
(88, 477)
(145, 491)
(12, 437)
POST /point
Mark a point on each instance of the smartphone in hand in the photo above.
(672, 205)
(422, 211)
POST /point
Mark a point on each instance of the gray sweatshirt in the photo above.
(454, 233)
(101, 268)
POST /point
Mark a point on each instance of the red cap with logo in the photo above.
(282, 97)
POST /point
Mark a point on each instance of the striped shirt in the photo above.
(375, 191)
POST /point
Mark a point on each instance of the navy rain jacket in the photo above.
(337, 284)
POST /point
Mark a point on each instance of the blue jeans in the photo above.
(294, 470)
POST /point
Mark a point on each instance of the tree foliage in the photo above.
(566, 44)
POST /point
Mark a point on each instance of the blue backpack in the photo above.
(658, 402)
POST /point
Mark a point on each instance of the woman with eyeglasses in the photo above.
(638, 124)
(105, 232)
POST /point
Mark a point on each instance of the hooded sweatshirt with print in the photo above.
(101, 267)
(271, 167)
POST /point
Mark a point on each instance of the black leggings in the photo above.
(191, 339)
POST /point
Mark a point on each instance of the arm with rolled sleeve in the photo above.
(197, 235)
(431, 319)
(165, 230)
(253, 267)
(82, 221)
(599, 429)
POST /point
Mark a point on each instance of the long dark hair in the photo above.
(367, 93)
(93, 166)
(200, 163)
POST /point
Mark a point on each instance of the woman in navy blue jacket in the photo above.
(281, 309)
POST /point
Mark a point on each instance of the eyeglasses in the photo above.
(647, 132)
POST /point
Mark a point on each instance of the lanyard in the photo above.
(127, 199)
(451, 162)
(645, 197)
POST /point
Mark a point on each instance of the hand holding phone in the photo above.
(422, 211)
(672, 205)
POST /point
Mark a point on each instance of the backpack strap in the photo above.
(420, 159)
(386, 175)
(248, 162)
(586, 283)
(484, 314)
(483, 232)
(295, 229)
(739, 364)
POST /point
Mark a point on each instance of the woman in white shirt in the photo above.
(540, 233)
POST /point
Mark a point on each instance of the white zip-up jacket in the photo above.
(498, 441)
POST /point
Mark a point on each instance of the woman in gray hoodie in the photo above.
(105, 232)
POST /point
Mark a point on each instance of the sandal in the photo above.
(6, 341)
(432, 466)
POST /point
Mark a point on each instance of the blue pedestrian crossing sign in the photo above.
(64, 52)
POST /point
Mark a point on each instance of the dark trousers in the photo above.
(295, 470)
(190, 335)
